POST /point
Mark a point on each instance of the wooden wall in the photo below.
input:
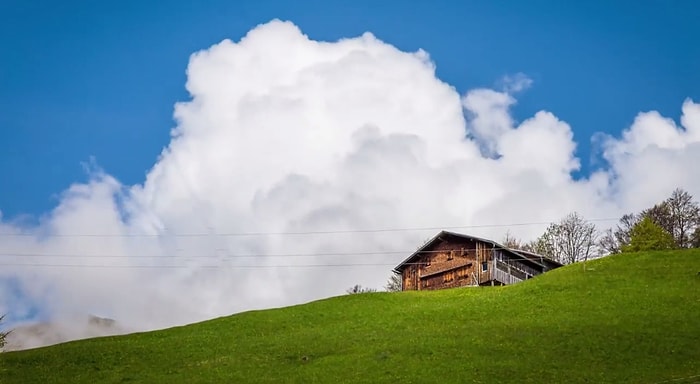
(448, 264)
(457, 262)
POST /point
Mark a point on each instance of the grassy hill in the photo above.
(627, 319)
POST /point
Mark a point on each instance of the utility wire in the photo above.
(203, 256)
(222, 266)
(461, 252)
(300, 233)
(250, 255)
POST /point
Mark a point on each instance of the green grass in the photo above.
(628, 319)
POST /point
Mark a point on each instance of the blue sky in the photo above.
(84, 79)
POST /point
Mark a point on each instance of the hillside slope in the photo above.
(627, 319)
(42, 334)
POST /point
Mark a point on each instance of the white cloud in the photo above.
(516, 83)
(654, 155)
(287, 134)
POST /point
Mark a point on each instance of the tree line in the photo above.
(671, 224)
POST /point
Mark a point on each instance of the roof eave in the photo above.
(399, 268)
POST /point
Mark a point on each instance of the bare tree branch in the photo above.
(679, 215)
(571, 240)
(3, 335)
(394, 284)
(359, 289)
(509, 241)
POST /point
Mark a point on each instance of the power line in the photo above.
(299, 233)
(221, 266)
(249, 255)
(460, 251)
(204, 256)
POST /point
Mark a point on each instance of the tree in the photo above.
(394, 283)
(649, 236)
(509, 241)
(607, 243)
(679, 215)
(624, 228)
(612, 240)
(685, 215)
(660, 215)
(3, 335)
(568, 241)
(357, 288)
(696, 238)
(539, 246)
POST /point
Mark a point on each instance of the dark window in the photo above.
(484, 266)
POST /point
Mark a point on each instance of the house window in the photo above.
(484, 266)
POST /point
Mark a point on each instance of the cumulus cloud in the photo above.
(285, 137)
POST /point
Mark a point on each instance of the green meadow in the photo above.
(630, 318)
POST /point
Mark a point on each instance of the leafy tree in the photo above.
(568, 241)
(612, 240)
(696, 238)
(357, 288)
(394, 283)
(649, 236)
(660, 215)
(624, 228)
(679, 215)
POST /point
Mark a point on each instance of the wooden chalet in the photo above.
(451, 260)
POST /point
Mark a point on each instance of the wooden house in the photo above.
(455, 260)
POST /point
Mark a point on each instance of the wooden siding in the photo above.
(458, 262)
(449, 264)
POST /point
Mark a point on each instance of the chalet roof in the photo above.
(537, 257)
(530, 257)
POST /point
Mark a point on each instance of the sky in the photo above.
(155, 158)
(84, 79)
